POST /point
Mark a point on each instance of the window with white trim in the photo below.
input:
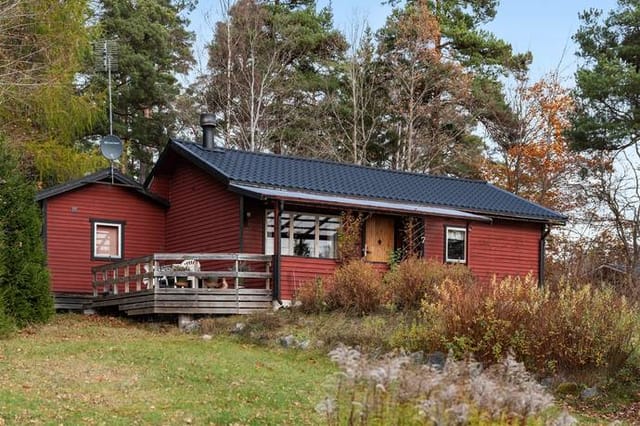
(304, 234)
(456, 245)
(106, 239)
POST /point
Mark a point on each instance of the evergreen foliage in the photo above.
(24, 280)
(154, 45)
(607, 80)
(271, 66)
(442, 80)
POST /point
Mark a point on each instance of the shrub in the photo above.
(414, 279)
(23, 274)
(356, 288)
(7, 324)
(586, 327)
(572, 328)
(311, 297)
(393, 390)
(349, 236)
(486, 319)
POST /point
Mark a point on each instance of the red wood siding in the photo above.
(204, 215)
(253, 233)
(504, 248)
(161, 185)
(500, 248)
(68, 231)
(295, 271)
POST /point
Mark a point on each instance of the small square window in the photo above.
(456, 245)
(106, 240)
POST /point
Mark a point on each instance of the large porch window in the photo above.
(304, 234)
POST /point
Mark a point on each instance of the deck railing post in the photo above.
(114, 285)
(268, 280)
(126, 278)
(138, 279)
(95, 284)
(237, 282)
(155, 268)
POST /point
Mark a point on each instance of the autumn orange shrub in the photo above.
(585, 327)
(567, 329)
(356, 287)
(311, 297)
(414, 279)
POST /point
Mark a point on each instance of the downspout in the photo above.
(545, 234)
(279, 206)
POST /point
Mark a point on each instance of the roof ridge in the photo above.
(325, 161)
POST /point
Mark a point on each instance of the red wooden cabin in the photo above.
(200, 200)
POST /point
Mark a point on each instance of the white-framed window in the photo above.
(303, 234)
(107, 239)
(456, 245)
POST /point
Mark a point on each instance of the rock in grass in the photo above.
(589, 393)
(304, 344)
(436, 360)
(288, 341)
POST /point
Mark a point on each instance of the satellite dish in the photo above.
(111, 147)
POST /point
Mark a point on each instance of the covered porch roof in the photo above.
(315, 199)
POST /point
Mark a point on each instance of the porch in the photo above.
(185, 284)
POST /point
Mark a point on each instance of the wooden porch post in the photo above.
(242, 213)
(276, 248)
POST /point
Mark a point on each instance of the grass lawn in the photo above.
(99, 370)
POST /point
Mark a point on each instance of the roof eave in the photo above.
(97, 178)
(358, 203)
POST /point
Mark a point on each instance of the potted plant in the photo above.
(213, 281)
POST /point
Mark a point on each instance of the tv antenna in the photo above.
(106, 60)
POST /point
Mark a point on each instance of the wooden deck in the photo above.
(150, 285)
(188, 301)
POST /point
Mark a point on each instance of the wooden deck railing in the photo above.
(156, 270)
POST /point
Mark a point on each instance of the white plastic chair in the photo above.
(191, 265)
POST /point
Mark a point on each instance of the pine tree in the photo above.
(608, 79)
(442, 74)
(153, 46)
(24, 280)
(270, 67)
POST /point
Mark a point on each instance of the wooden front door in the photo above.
(379, 238)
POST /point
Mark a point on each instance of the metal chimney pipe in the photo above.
(208, 122)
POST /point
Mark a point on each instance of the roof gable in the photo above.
(326, 177)
(101, 176)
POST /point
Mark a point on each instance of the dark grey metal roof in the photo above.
(326, 177)
(101, 176)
